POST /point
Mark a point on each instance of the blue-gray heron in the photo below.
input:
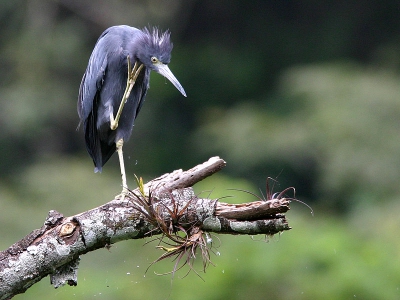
(112, 92)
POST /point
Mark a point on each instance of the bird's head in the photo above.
(155, 53)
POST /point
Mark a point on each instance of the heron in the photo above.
(114, 87)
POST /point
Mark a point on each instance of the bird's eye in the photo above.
(154, 60)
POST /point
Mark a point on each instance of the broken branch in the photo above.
(166, 205)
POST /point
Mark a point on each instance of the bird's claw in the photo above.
(123, 195)
(132, 76)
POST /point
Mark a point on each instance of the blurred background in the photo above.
(306, 92)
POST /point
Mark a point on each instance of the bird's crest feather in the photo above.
(155, 38)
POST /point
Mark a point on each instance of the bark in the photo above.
(166, 205)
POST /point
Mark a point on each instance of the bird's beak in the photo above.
(166, 72)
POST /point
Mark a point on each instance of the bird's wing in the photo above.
(92, 80)
(143, 91)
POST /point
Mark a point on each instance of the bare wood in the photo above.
(182, 179)
(253, 210)
(55, 248)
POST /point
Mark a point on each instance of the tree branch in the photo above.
(166, 205)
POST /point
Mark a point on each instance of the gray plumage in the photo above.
(105, 79)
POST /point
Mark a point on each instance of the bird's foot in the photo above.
(132, 76)
(123, 194)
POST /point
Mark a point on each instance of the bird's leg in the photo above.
(119, 145)
(132, 76)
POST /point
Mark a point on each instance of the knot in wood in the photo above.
(67, 229)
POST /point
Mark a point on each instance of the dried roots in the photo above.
(181, 236)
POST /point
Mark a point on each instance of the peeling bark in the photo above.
(164, 205)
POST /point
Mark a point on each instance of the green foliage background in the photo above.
(303, 91)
